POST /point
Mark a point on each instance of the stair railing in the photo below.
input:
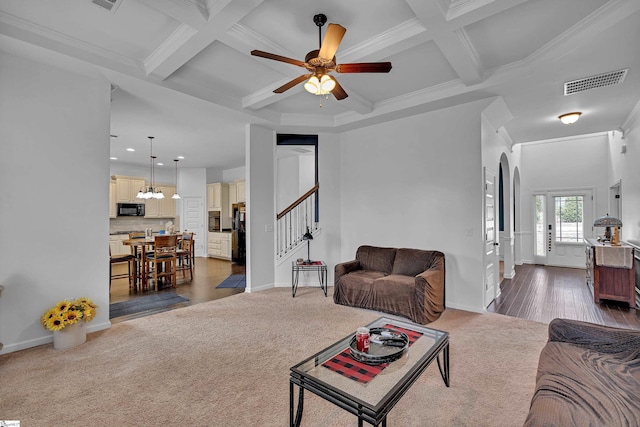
(293, 221)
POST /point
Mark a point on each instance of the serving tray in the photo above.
(380, 353)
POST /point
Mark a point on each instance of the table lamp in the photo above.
(608, 222)
(308, 237)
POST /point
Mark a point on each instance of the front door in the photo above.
(491, 263)
(193, 220)
(563, 219)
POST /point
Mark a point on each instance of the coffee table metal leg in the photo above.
(298, 418)
(444, 370)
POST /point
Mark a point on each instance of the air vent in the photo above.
(110, 5)
(601, 80)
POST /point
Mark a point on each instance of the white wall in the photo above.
(287, 181)
(230, 175)
(54, 195)
(625, 167)
(416, 182)
(576, 162)
(260, 194)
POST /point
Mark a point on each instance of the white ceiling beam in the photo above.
(453, 42)
(187, 42)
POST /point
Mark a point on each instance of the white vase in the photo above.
(70, 336)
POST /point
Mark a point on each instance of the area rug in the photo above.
(145, 303)
(227, 362)
(234, 281)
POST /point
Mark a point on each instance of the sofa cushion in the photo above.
(394, 294)
(354, 289)
(410, 262)
(376, 259)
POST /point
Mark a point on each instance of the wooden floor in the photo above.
(208, 273)
(543, 293)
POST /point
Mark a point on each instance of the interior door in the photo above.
(193, 220)
(491, 263)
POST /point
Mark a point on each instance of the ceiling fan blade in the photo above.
(332, 39)
(277, 57)
(364, 67)
(338, 91)
(292, 83)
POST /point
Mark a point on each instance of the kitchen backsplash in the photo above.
(117, 225)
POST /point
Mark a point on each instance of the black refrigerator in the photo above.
(238, 235)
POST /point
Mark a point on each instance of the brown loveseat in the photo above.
(405, 282)
(588, 375)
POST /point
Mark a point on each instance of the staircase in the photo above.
(294, 221)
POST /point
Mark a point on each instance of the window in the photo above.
(569, 219)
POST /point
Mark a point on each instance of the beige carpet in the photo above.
(226, 363)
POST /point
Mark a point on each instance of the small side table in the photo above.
(318, 266)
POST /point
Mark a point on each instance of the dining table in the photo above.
(139, 248)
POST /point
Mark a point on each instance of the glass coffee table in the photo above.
(368, 391)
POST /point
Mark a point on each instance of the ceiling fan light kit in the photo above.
(321, 62)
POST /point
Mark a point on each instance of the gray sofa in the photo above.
(588, 375)
(404, 282)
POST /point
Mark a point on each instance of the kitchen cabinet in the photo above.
(219, 245)
(113, 206)
(240, 192)
(606, 280)
(127, 188)
(162, 208)
(116, 246)
(217, 196)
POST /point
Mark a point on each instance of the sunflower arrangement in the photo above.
(67, 313)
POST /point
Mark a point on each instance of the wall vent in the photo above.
(110, 5)
(606, 79)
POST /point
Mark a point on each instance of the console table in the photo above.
(610, 272)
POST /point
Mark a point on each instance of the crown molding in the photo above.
(169, 47)
(44, 37)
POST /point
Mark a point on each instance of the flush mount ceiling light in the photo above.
(151, 192)
(570, 118)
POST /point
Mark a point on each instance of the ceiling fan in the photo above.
(321, 62)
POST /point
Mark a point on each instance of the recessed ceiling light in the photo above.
(160, 164)
(113, 158)
(131, 149)
(181, 157)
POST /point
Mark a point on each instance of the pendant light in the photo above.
(175, 194)
(151, 192)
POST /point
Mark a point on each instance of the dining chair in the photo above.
(161, 262)
(131, 269)
(136, 251)
(185, 255)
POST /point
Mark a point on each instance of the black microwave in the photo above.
(130, 209)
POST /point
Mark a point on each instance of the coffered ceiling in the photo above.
(183, 72)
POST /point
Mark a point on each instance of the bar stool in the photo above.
(131, 268)
(161, 263)
(185, 255)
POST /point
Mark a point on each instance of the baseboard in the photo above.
(465, 308)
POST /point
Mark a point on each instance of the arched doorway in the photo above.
(506, 217)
